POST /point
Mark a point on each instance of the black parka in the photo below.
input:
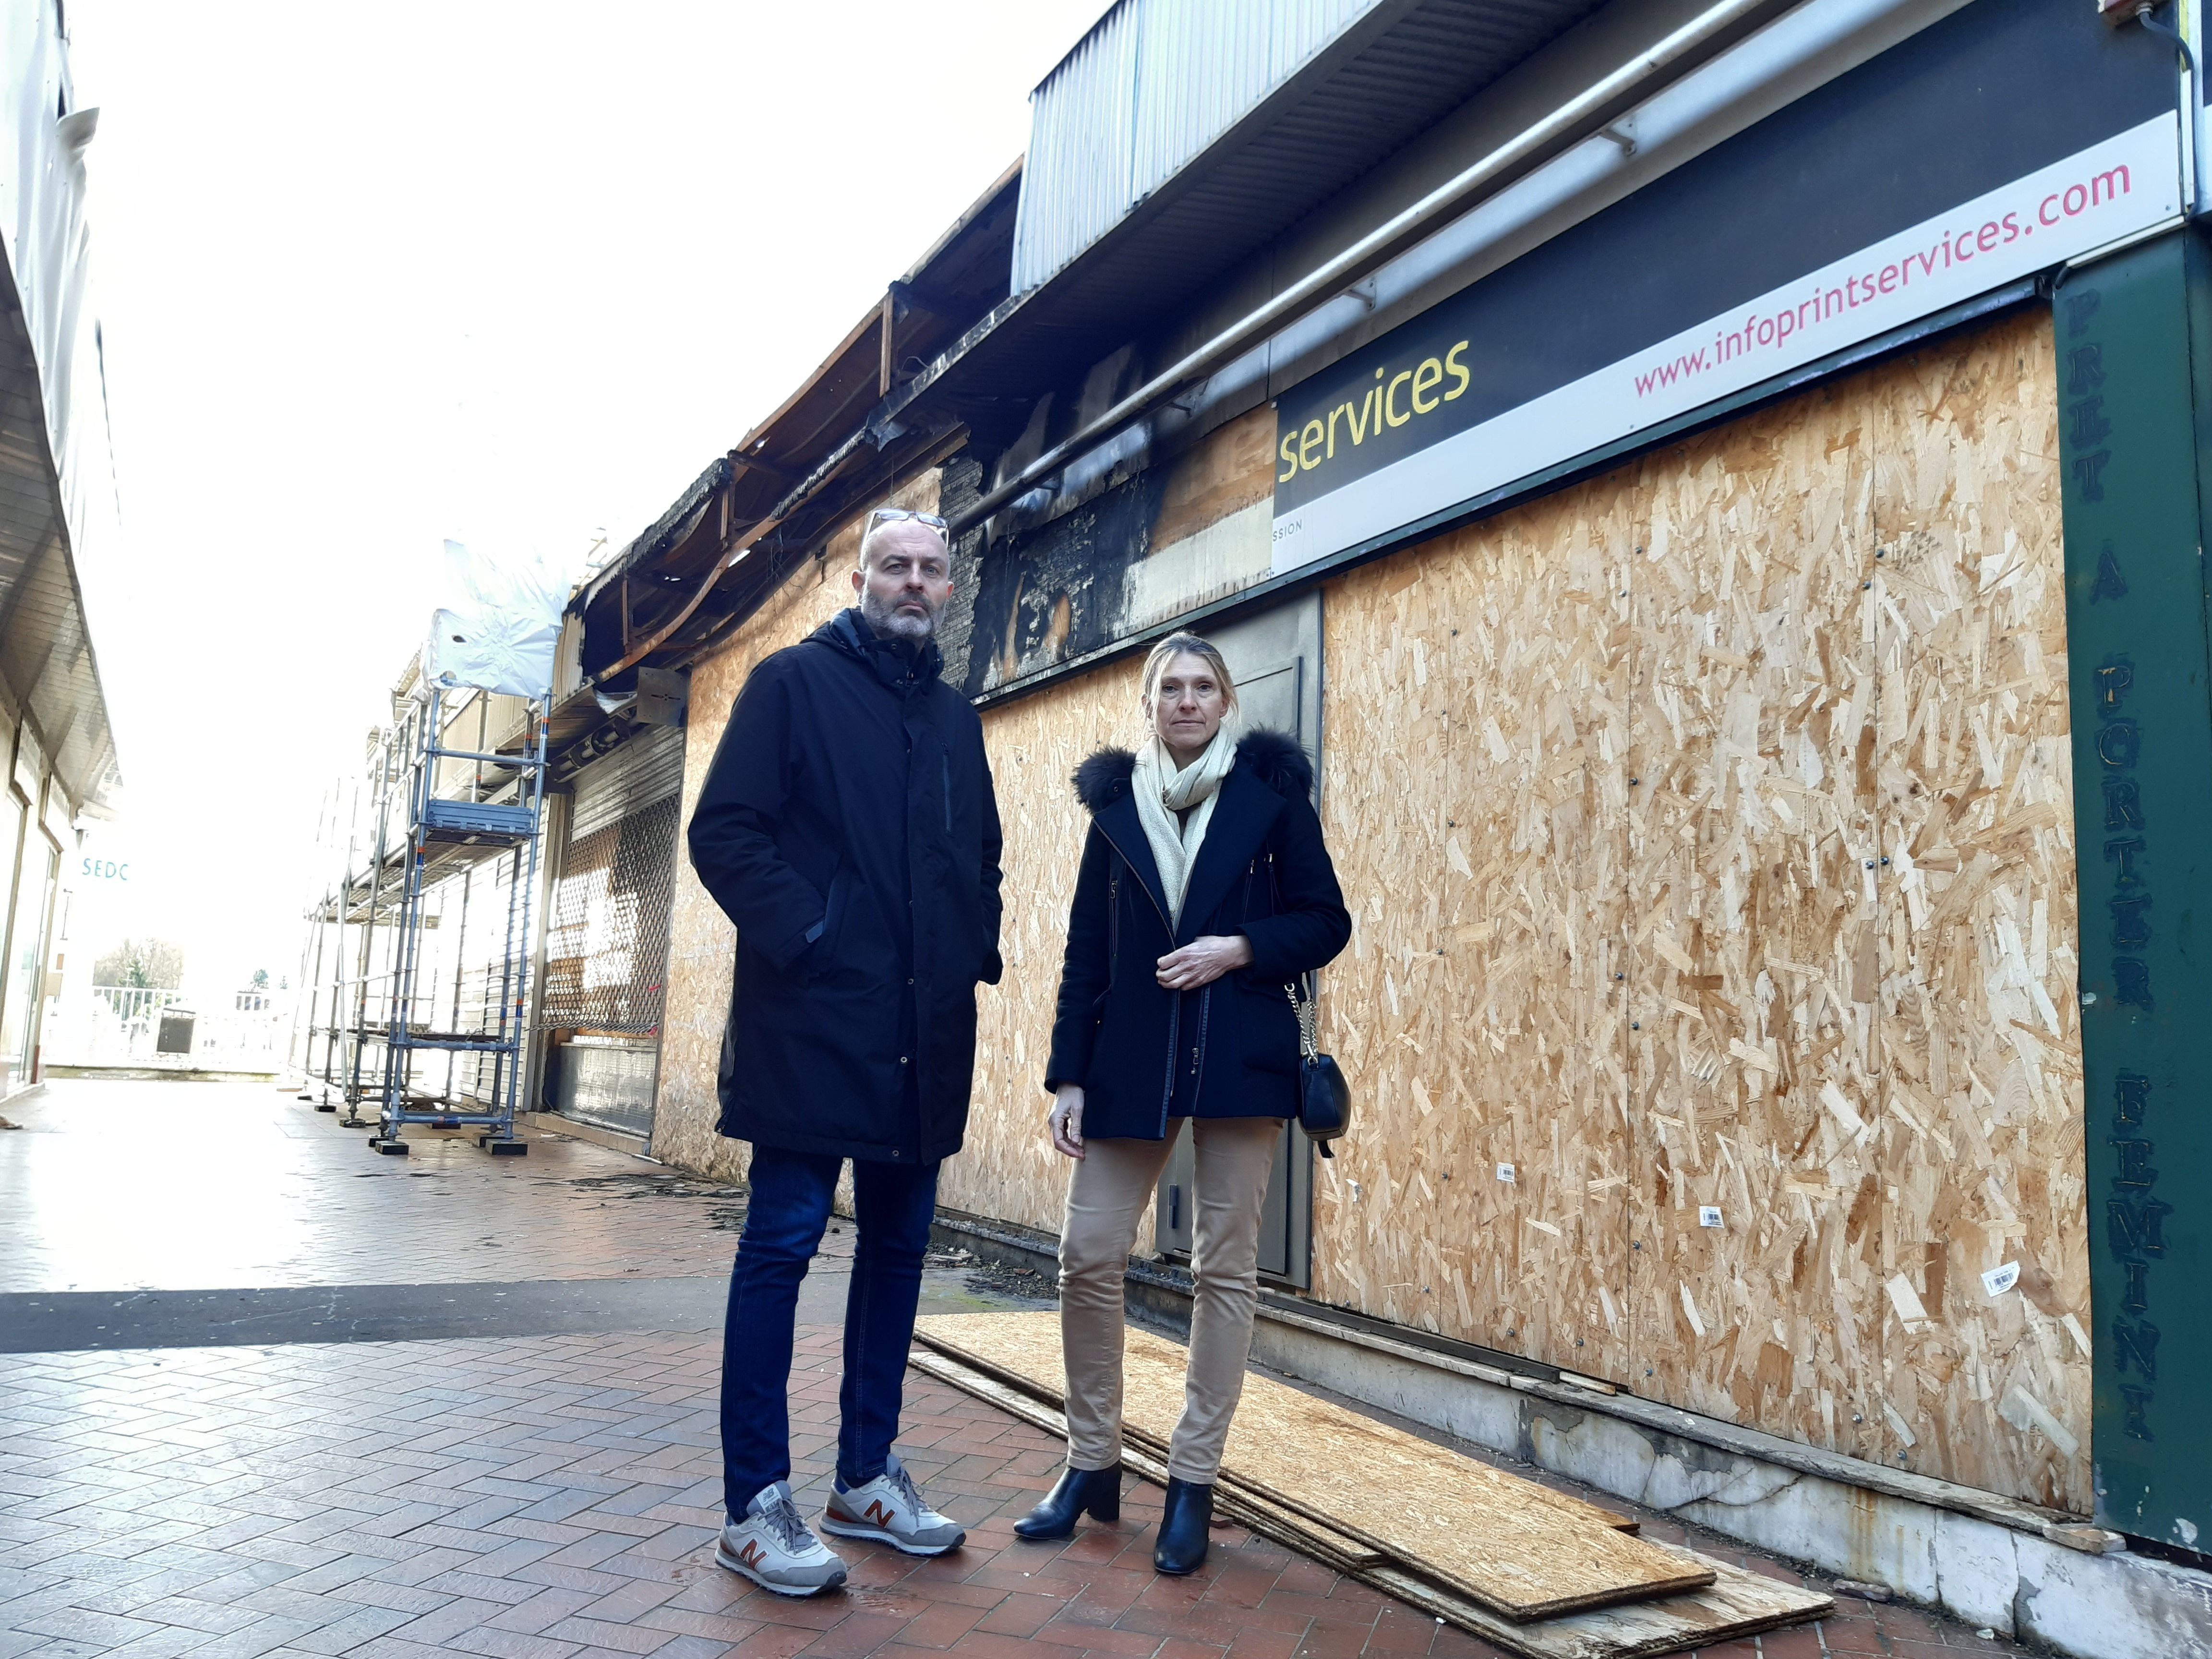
(848, 827)
(1230, 1049)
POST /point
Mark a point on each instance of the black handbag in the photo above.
(1324, 1096)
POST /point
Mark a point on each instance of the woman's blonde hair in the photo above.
(1174, 645)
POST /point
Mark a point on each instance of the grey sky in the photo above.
(510, 272)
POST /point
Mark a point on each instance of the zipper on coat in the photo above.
(1204, 1012)
(1156, 910)
(1175, 1041)
(1113, 922)
(1113, 941)
(947, 759)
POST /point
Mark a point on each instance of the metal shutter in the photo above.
(606, 948)
(643, 772)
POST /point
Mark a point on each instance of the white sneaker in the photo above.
(891, 1511)
(773, 1547)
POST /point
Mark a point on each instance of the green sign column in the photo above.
(2133, 355)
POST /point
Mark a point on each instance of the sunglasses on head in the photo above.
(897, 514)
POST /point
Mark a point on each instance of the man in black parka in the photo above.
(848, 827)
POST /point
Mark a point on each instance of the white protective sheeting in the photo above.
(499, 627)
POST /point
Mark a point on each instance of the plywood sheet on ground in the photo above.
(1736, 1604)
(1246, 1509)
(1025, 1351)
(1517, 1548)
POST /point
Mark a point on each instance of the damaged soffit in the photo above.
(802, 459)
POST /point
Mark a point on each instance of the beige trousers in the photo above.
(1106, 1198)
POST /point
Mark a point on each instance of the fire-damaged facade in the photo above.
(1717, 489)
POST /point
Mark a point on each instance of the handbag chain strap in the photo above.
(1307, 1007)
(1307, 1010)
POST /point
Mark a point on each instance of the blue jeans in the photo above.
(789, 1207)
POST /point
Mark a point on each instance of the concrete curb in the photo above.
(158, 1073)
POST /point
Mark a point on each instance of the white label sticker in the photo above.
(1708, 1216)
(1998, 1280)
(1505, 1173)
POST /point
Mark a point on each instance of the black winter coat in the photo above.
(1230, 1049)
(848, 827)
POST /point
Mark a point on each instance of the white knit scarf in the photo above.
(1162, 791)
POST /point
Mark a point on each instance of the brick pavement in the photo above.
(555, 1497)
(529, 1496)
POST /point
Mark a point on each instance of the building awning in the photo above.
(46, 650)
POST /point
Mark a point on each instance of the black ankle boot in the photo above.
(1097, 1492)
(1184, 1518)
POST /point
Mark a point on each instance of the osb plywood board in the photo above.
(1835, 637)
(1755, 928)
(1476, 731)
(1851, 682)
(1518, 1548)
(1027, 1358)
(1737, 1603)
(1235, 1503)
(701, 943)
(1008, 1170)
(1980, 1125)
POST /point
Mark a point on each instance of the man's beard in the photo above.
(890, 623)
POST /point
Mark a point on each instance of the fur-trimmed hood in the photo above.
(1273, 758)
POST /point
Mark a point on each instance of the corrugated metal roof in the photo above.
(1077, 176)
(1146, 90)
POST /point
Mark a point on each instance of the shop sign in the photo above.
(1527, 370)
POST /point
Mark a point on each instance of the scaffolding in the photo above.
(421, 960)
(347, 956)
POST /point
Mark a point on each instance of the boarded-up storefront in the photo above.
(1698, 733)
(1612, 780)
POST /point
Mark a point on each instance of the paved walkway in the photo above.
(155, 1186)
(548, 1494)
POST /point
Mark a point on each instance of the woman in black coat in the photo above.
(1205, 893)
